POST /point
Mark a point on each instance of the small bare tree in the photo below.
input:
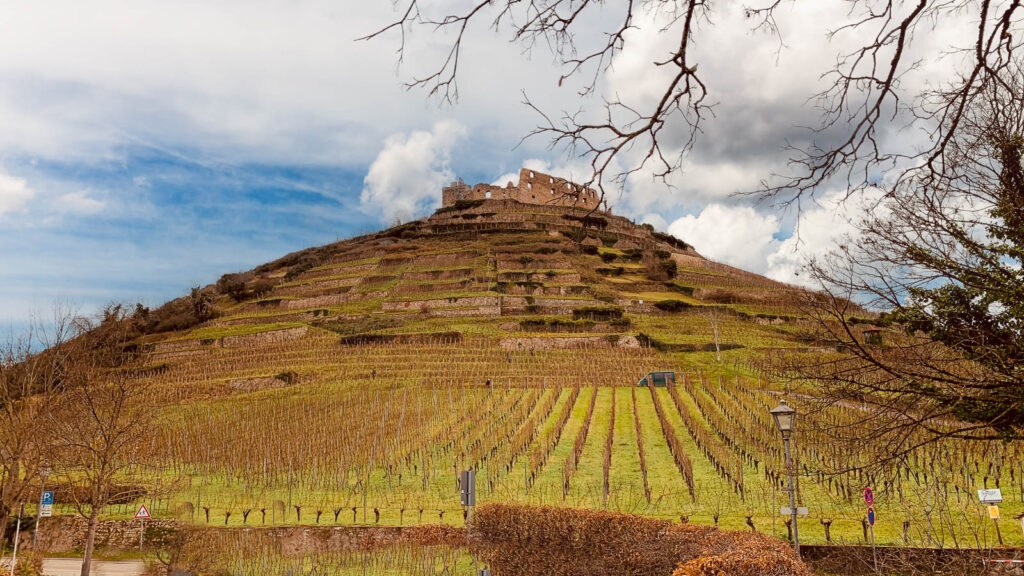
(28, 378)
(98, 420)
(713, 315)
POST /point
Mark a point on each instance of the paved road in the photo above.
(73, 567)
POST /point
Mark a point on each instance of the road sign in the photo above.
(143, 513)
(46, 505)
(871, 516)
(869, 496)
(990, 496)
(993, 512)
(800, 511)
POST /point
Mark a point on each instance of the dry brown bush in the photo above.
(536, 540)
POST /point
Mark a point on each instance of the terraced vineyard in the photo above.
(349, 384)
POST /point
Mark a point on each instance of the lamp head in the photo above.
(785, 417)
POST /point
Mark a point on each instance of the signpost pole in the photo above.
(874, 551)
(992, 497)
(39, 509)
(17, 533)
(869, 499)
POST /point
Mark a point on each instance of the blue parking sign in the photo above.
(47, 498)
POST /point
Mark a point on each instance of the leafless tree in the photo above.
(942, 254)
(98, 420)
(32, 368)
(863, 99)
(712, 315)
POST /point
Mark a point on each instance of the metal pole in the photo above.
(39, 509)
(17, 533)
(792, 498)
(874, 551)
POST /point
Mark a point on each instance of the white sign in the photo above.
(143, 512)
(990, 496)
(800, 511)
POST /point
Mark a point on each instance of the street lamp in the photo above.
(785, 417)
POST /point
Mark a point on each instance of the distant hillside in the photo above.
(522, 275)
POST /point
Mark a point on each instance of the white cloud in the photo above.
(742, 237)
(14, 193)
(79, 203)
(819, 228)
(735, 235)
(655, 220)
(405, 180)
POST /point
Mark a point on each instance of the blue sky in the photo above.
(147, 147)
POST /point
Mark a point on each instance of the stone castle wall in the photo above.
(533, 188)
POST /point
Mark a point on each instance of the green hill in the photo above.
(349, 383)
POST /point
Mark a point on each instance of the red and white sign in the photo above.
(142, 513)
(869, 496)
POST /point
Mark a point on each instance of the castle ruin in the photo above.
(533, 188)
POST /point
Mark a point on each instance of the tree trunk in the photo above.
(90, 539)
(4, 516)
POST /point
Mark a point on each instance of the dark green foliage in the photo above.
(576, 234)
(547, 250)
(671, 241)
(662, 254)
(288, 377)
(460, 205)
(662, 270)
(407, 230)
(620, 323)
(588, 221)
(238, 288)
(531, 309)
(686, 290)
(302, 264)
(450, 337)
(179, 314)
(524, 260)
(610, 271)
(608, 257)
(669, 267)
(609, 241)
(634, 254)
(980, 311)
(555, 324)
(599, 313)
(588, 249)
(361, 325)
(233, 285)
(671, 305)
(651, 342)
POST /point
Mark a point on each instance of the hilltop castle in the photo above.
(533, 188)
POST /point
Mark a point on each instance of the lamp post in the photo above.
(785, 417)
